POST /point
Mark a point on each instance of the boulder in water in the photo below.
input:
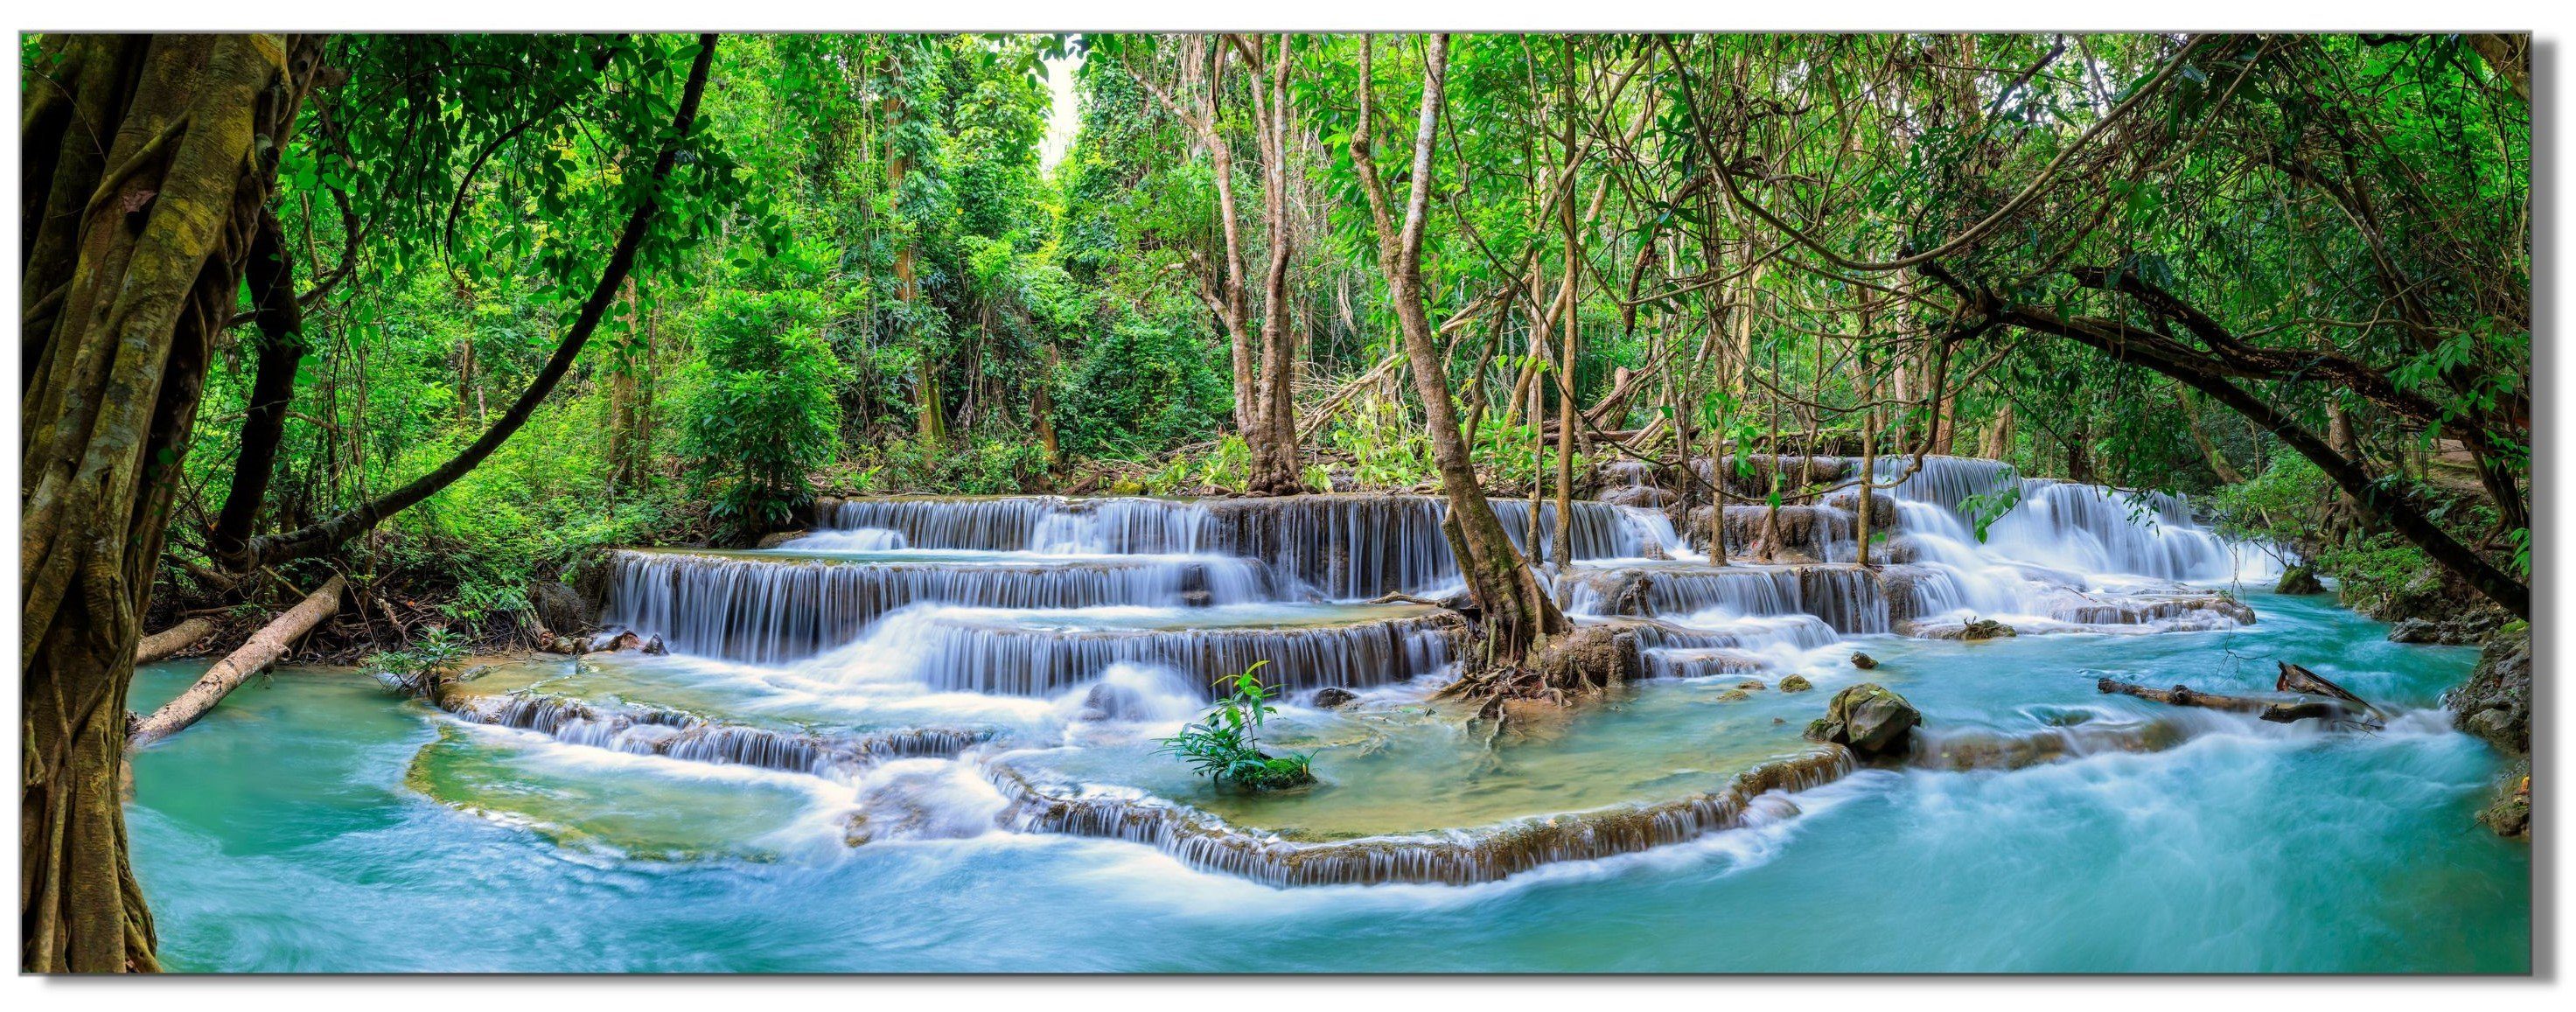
(1752, 684)
(2495, 703)
(1864, 662)
(1733, 696)
(1334, 697)
(777, 538)
(2448, 610)
(1796, 683)
(654, 646)
(1869, 719)
(2299, 579)
(613, 639)
(1986, 629)
(2455, 631)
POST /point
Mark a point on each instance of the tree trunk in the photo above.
(625, 395)
(1517, 610)
(324, 536)
(172, 640)
(2273, 710)
(263, 649)
(281, 353)
(1998, 441)
(1563, 544)
(1274, 439)
(147, 159)
(2227, 473)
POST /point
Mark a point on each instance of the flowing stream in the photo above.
(923, 738)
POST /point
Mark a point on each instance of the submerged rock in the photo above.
(2299, 579)
(1870, 719)
(1333, 697)
(1796, 683)
(1733, 696)
(1751, 684)
(1864, 662)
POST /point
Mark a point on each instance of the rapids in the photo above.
(923, 738)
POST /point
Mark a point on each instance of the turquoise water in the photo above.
(317, 822)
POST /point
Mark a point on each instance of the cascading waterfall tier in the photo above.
(1043, 654)
(767, 608)
(687, 736)
(1456, 857)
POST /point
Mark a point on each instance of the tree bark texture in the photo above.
(147, 159)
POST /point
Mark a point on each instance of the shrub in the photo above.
(421, 668)
(1226, 746)
(764, 413)
(1142, 388)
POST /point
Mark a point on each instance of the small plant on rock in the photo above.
(1226, 746)
(421, 668)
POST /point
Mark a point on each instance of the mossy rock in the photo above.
(1796, 683)
(2300, 579)
(1986, 629)
(1733, 696)
(1870, 719)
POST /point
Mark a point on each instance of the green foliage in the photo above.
(1984, 508)
(1226, 745)
(1386, 448)
(1141, 388)
(421, 668)
(2279, 505)
(2372, 572)
(986, 465)
(763, 414)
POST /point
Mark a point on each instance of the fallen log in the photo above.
(2296, 679)
(263, 649)
(2273, 710)
(172, 640)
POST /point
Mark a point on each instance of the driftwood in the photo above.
(172, 640)
(264, 648)
(2304, 682)
(2274, 710)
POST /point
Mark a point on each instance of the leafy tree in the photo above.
(763, 415)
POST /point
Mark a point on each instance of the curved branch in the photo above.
(324, 536)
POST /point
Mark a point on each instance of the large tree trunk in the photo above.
(264, 648)
(146, 162)
(1517, 610)
(324, 536)
(1274, 439)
